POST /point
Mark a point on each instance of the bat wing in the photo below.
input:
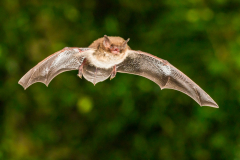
(164, 74)
(64, 60)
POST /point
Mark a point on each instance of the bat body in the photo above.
(108, 55)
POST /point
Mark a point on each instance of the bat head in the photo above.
(116, 45)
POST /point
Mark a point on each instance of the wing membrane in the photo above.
(165, 75)
(64, 60)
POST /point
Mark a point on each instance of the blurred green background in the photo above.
(128, 117)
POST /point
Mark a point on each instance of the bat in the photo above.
(108, 55)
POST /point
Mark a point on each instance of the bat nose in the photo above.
(115, 50)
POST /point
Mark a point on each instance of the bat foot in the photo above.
(80, 70)
(111, 77)
(79, 75)
(114, 72)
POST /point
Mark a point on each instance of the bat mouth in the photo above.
(115, 51)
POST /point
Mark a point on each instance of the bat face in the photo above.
(109, 52)
(108, 55)
(114, 47)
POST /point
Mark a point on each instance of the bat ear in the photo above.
(106, 42)
(124, 45)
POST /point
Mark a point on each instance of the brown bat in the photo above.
(108, 55)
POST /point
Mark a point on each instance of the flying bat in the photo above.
(108, 55)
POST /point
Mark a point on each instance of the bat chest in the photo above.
(105, 60)
(94, 74)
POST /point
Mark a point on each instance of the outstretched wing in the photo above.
(69, 58)
(164, 74)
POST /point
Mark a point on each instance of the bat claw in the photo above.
(79, 75)
(114, 72)
(80, 70)
(111, 77)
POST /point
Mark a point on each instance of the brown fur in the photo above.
(103, 57)
(117, 41)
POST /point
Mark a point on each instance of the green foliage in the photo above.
(128, 117)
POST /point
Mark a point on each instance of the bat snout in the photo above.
(115, 50)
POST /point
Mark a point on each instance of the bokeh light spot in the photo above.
(192, 15)
(84, 104)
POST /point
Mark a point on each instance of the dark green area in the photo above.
(128, 117)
